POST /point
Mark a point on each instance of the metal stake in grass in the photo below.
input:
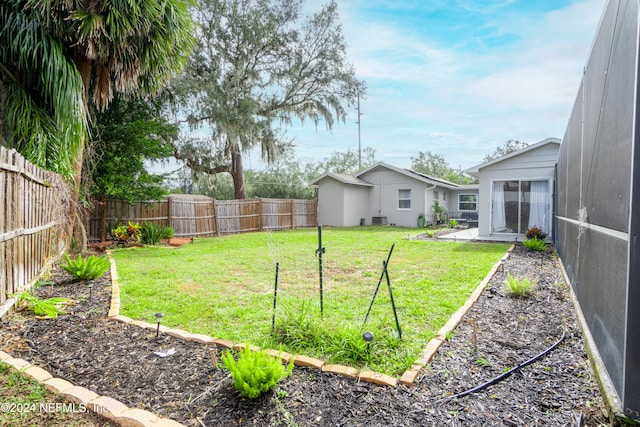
(159, 317)
(275, 297)
(319, 253)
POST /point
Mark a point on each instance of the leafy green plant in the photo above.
(536, 232)
(422, 221)
(89, 268)
(453, 223)
(519, 287)
(50, 307)
(126, 234)
(151, 234)
(255, 372)
(430, 233)
(535, 244)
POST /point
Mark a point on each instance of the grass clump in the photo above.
(255, 372)
(535, 244)
(519, 287)
(89, 268)
(151, 234)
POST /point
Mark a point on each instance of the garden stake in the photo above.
(319, 253)
(159, 317)
(384, 270)
(90, 289)
(275, 296)
(393, 304)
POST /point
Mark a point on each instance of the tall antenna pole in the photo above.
(359, 145)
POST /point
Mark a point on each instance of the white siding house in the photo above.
(342, 199)
(385, 194)
(516, 190)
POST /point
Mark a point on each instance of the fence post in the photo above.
(216, 221)
(103, 218)
(170, 211)
(293, 225)
(260, 223)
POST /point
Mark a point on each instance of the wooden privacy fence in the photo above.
(33, 204)
(200, 216)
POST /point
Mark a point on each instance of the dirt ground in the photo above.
(500, 332)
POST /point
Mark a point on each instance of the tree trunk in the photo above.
(76, 227)
(237, 172)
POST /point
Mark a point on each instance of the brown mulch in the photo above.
(498, 333)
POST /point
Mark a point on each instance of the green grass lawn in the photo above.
(224, 287)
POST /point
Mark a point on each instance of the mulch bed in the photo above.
(498, 333)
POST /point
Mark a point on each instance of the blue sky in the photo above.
(456, 78)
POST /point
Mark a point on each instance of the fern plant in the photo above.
(519, 287)
(151, 234)
(535, 244)
(89, 268)
(50, 307)
(255, 372)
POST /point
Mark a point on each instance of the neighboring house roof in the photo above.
(412, 174)
(341, 177)
(476, 169)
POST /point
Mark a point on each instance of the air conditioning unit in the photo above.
(378, 220)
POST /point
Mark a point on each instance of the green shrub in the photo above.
(255, 372)
(430, 233)
(453, 223)
(50, 307)
(126, 234)
(519, 287)
(89, 268)
(151, 234)
(536, 232)
(535, 244)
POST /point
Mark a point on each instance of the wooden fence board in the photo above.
(199, 216)
(32, 216)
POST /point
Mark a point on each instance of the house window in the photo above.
(467, 202)
(404, 199)
(436, 196)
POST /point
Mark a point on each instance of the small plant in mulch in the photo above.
(453, 223)
(519, 287)
(536, 233)
(49, 307)
(535, 244)
(89, 268)
(255, 372)
(151, 234)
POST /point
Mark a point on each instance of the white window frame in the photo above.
(404, 199)
(468, 210)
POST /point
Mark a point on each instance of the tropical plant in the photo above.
(535, 232)
(43, 113)
(89, 268)
(126, 234)
(50, 307)
(151, 234)
(519, 287)
(255, 372)
(535, 244)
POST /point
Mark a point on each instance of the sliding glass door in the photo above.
(519, 205)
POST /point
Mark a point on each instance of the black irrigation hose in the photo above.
(503, 375)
